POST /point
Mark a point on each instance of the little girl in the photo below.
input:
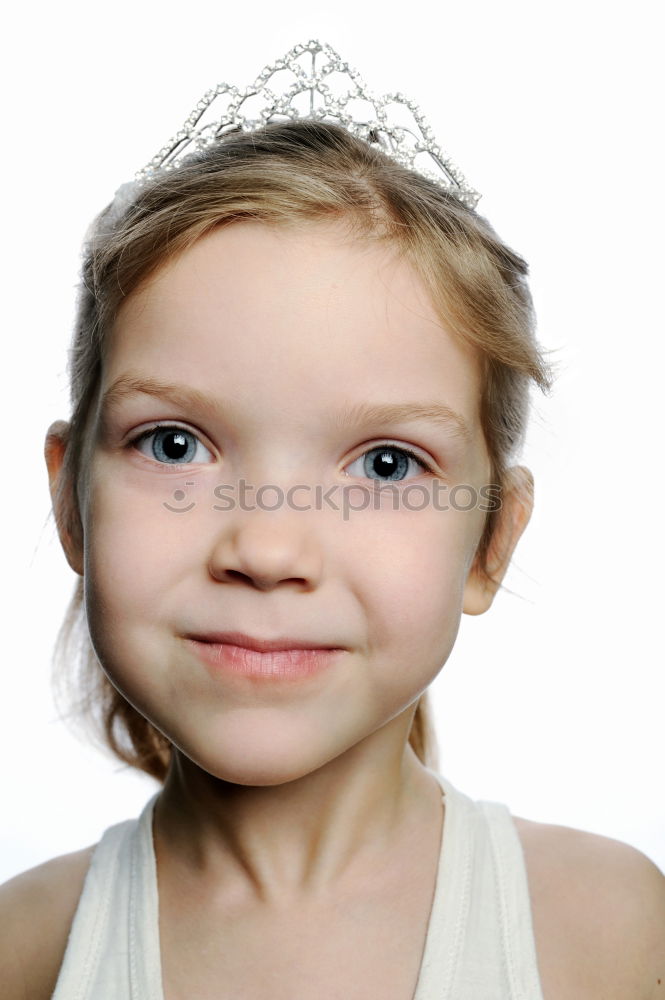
(300, 377)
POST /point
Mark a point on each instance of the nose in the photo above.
(266, 550)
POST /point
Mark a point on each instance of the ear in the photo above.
(516, 507)
(63, 495)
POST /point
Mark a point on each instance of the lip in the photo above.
(223, 658)
(259, 645)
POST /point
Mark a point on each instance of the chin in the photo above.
(267, 762)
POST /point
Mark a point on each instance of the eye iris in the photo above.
(389, 462)
(173, 446)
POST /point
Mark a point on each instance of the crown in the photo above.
(312, 82)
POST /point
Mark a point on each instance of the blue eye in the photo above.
(172, 446)
(388, 462)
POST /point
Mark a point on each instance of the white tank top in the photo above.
(479, 944)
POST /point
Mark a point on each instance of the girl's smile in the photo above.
(287, 664)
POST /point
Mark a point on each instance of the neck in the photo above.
(332, 829)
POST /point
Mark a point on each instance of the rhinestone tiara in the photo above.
(312, 82)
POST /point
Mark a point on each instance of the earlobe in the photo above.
(516, 508)
(63, 495)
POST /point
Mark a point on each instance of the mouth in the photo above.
(283, 659)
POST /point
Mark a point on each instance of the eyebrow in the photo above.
(348, 417)
(179, 395)
(400, 413)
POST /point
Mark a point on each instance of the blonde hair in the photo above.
(299, 171)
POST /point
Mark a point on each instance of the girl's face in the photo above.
(273, 351)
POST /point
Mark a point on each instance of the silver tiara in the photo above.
(312, 82)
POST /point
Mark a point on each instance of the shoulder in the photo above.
(37, 908)
(598, 910)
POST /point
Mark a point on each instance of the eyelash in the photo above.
(145, 435)
(389, 446)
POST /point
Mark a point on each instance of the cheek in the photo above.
(416, 566)
(132, 546)
(130, 520)
(121, 554)
(132, 555)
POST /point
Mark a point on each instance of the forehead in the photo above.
(305, 316)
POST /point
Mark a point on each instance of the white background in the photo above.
(553, 701)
